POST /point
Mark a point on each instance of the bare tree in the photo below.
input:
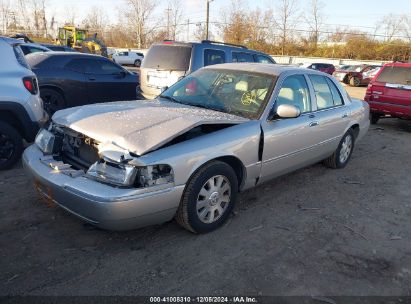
(5, 15)
(392, 25)
(287, 12)
(175, 11)
(139, 13)
(315, 18)
(95, 20)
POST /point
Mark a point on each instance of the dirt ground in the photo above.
(313, 232)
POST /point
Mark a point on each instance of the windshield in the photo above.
(239, 93)
(355, 68)
(168, 57)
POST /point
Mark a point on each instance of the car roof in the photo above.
(66, 54)
(264, 68)
(39, 46)
(11, 40)
(399, 64)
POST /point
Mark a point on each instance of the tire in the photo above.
(137, 63)
(339, 159)
(374, 118)
(53, 100)
(11, 145)
(355, 81)
(204, 213)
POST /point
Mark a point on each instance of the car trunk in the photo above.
(163, 66)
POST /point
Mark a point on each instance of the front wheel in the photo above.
(137, 63)
(11, 146)
(339, 159)
(209, 198)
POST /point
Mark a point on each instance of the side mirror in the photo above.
(288, 111)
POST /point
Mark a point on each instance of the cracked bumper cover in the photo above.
(99, 204)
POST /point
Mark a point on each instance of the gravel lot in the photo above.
(313, 232)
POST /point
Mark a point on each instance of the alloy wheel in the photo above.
(346, 148)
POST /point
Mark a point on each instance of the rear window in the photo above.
(395, 74)
(20, 56)
(168, 57)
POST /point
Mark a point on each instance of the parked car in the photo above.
(128, 58)
(220, 130)
(389, 93)
(30, 48)
(368, 76)
(21, 109)
(322, 67)
(73, 79)
(354, 76)
(58, 48)
(167, 62)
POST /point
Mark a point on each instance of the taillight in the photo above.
(30, 84)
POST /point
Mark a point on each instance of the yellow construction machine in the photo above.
(77, 39)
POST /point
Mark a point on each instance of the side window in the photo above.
(263, 59)
(213, 57)
(77, 65)
(102, 67)
(323, 92)
(294, 91)
(242, 57)
(338, 101)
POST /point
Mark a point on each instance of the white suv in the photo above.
(130, 58)
(21, 108)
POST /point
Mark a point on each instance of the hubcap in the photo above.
(346, 148)
(6, 148)
(213, 199)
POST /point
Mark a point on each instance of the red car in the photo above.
(389, 93)
(355, 75)
(322, 67)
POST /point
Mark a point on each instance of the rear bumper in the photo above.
(392, 109)
(99, 204)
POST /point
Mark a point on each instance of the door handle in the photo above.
(314, 123)
(92, 79)
(345, 115)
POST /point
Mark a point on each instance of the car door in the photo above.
(290, 143)
(106, 81)
(331, 117)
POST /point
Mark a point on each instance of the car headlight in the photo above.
(126, 176)
(120, 175)
(47, 142)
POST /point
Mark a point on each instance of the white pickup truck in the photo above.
(128, 58)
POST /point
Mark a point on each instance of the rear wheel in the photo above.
(374, 118)
(11, 146)
(137, 63)
(53, 100)
(355, 81)
(339, 159)
(209, 198)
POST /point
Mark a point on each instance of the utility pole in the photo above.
(168, 22)
(188, 30)
(208, 17)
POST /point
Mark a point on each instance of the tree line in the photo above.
(283, 27)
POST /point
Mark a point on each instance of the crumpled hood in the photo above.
(138, 126)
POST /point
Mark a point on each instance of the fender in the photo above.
(27, 128)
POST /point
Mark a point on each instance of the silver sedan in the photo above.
(187, 154)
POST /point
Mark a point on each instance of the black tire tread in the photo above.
(18, 142)
(182, 214)
(332, 161)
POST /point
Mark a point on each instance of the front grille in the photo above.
(78, 150)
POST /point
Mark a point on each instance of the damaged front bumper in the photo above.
(102, 205)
